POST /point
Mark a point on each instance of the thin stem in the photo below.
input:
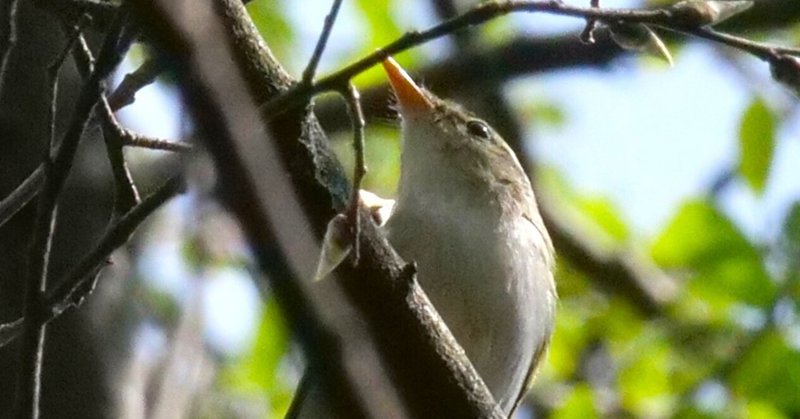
(79, 282)
(132, 139)
(353, 99)
(8, 36)
(330, 19)
(56, 171)
(17, 199)
(126, 195)
(484, 12)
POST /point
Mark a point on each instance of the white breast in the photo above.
(486, 279)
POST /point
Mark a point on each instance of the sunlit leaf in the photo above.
(769, 371)
(756, 144)
(568, 342)
(605, 215)
(763, 410)
(542, 113)
(257, 372)
(698, 235)
(270, 20)
(727, 267)
(578, 405)
(644, 383)
(790, 235)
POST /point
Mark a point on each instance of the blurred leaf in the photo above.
(769, 371)
(644, 383)
(578, 405)
(382, 27)
(698, 235)
(542, 113)
(756, 144)
(728, 268)
(568, 342)
(605, 215)
(269, 18)
(761, 410)
(790, 236)
(258, 371)
(382, 150)
(591, 215)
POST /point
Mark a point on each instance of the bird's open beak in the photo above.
(409, 95)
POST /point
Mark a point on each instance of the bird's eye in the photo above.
(479, 129)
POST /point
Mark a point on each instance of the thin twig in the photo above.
(125, 93)
(330, 19)
(126, 196)
(353, 99)
(56, 172)
(71, 290)
(29, 379)
(80, 280)
(484, 12)
(17, 199)
(8, 36)
(132, 139)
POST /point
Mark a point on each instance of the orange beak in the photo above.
(409, 95)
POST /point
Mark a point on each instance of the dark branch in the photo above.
(71, 290)
(484, 12)
(125, 93)
(8, 36)
(56, 171)
(17, 199)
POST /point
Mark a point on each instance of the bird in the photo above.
(467, 216)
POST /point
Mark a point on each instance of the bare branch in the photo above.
(71, 290)
(360, 167)
(17, 199)
(126, 196)
(56, 171)
(125, 93)
(662, 17)
(80, 280)
(8, 36)
(311, 69)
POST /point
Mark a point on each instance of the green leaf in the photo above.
(756, 144)
(644, 383)
(790, 236)
(605, 216)
(728, 268)
(257, 371)
(382, 27)
(578, 405)
(769, 371)
(699, 235)
(270, 20)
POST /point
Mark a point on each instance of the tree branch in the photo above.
(438, 380)
(56, 171)
(666, 18)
